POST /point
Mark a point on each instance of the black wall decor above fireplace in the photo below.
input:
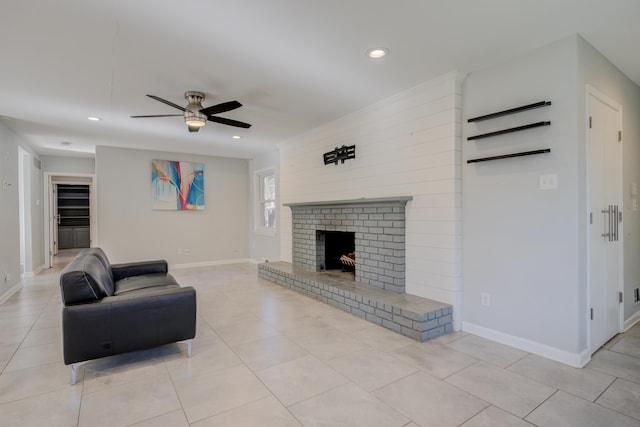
(340, 154)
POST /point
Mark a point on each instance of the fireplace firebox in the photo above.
(337, 244)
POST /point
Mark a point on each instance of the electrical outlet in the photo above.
(7, 277)
(486, 299)
(179, 251)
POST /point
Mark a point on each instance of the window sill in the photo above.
(266, 231)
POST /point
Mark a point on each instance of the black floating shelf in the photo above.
(510, 111)
(507, 156)
(502, 132)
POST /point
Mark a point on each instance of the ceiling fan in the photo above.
(195, 116)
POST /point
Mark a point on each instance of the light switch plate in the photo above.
(549, 182)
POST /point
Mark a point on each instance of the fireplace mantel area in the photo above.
(373, 286)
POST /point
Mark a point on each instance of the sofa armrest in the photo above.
(125, 323)
(120, 271)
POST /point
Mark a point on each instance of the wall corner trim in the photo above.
(35, 272)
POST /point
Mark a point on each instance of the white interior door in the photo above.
(605, 218)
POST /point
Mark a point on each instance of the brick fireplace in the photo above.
(379, 233)
(377, 290)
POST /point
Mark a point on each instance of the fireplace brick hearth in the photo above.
(377, 292)
(419, 318)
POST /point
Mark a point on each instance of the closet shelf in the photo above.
(509, 111)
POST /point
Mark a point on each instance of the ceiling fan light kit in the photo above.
(192, 115)
(195, 116)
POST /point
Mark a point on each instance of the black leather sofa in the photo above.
(112, 309)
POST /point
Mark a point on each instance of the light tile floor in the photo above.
(266, 356)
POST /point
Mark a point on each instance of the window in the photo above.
(266, 203)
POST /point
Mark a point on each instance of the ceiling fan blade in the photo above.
(164, 101)
(194, 128)
(157, 115)
(229, 122)
(221, 108)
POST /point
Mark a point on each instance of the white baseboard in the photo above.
(631, 321)
(260, 261)
(210, 263)
(35, 272)
(577, 360)
(9, 293)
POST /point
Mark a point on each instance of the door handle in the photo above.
(608, 233)
(613, 223)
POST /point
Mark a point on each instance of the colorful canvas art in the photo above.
(177, 185)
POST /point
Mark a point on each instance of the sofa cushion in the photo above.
(124, 270)
(138, 283)
(85, 279)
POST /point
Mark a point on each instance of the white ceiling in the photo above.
(294, 64)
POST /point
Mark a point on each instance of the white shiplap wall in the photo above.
(406, 145)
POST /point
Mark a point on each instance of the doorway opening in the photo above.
(73, 216)
(70, 208)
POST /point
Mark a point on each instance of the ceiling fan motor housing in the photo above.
(192, 114)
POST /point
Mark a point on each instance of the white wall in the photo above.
(62, 165)
(520, 243)
(595, 70)
(128, 229)
(523, 246)
(406, 145)
(263, 246)
(33, 214)
(10, 214)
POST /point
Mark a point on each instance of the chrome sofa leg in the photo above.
(74, 370)
(189, 342)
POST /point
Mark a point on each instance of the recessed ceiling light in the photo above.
(236, 137)
(94, 118)
(66, 143)
(377, 53)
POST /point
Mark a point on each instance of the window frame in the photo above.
(259, 199)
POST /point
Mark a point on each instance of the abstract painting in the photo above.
(177, 186)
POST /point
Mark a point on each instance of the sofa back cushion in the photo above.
(99, 253)
(85, 279)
